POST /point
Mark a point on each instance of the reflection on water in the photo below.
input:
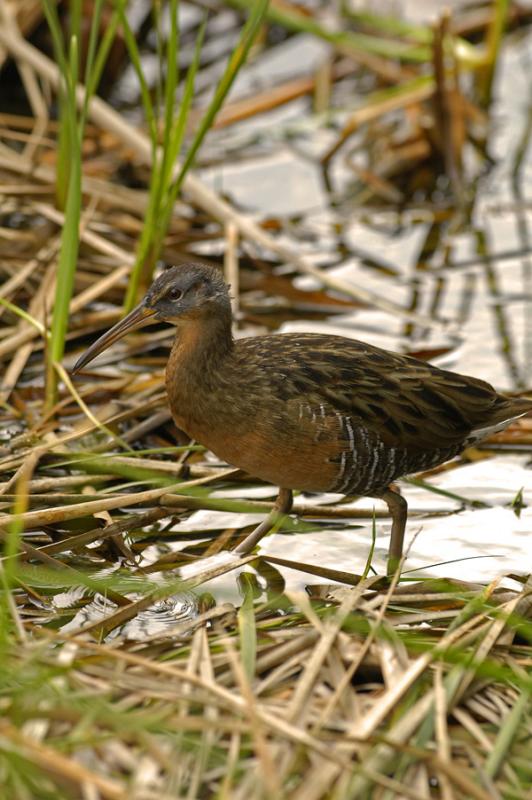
(159, 619)
(428, 257)
(469, 270)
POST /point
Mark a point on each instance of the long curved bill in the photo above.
(138, 318)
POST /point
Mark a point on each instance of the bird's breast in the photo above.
(301, 446)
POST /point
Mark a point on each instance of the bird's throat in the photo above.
(195, 373)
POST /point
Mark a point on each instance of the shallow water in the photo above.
(468, 277)
(471, 276)
(476, 282)
(486, 305)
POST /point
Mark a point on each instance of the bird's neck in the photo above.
(195, 368)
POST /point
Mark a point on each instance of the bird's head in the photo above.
(179, 295)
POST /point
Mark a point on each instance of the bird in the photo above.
(308, 411)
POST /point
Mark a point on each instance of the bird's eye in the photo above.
(175, 294)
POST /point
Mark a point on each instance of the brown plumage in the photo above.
(308, 411)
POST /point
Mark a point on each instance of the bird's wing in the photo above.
(407, 402)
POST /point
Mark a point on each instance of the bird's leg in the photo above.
(398, 509)
(282, 506)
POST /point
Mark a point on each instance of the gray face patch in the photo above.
(185, 288)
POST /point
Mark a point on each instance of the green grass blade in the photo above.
(176, 141)
(151, 238)
(507, 733)
(69, 173)
(392, 26)
(146, 243)
(247, 629)
(134, 54)
(23, 315)
(93, 77)
(170, 86)
(347, 41)
(155, 189)
(63, 144)
(58, 42)
(91, 56)
(161, 206)
(75, 21)
(162, 199)
(238, 57)
(368, 566)
(70, 238)
(494, 36)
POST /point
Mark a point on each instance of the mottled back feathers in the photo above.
(407, 402)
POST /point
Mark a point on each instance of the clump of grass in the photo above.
(69, 170)
(167, 174)
(353, 692)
